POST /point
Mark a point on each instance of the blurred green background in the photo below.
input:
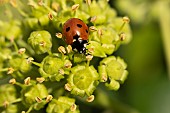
(147, 88)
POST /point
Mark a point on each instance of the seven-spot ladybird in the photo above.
(75, 33)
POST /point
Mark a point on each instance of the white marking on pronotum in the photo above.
(84, 45)
(74, 40)
(79, 38)
(78, 33)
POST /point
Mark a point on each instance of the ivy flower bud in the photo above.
(92, 28)
(40, 41)
(68, 87)
(55, 6)
(31, 22)
(61, 71)
(6, 104)
(124, 28)
(49, 98)
(12, 81)
(29, 60)
(18, 63)
(67, 64)
(69, 49)
(8, 94)
(27, 81)
(21, 50)
(73, 107)
(7, 29)
(102, 73)
(108, 36)
(40, 79)
(115, 68)
(40, 2)
(93, 19)
(51, 68)
(108, 48)
(101, 8)
(30, 93)
(50, 16)
(126, 19)
(107, 39)
(90, 98)
(101, 19)
(62, 105)
(97, 49)
(43, 20)
(88, 2)
(78, 58)
(100, 32)
(89, 57)
(10, 70)
(58, 35)
(62, 50)
(75, 7)
(38, 99)
(83, 80)
(122, 36)
(5, 53)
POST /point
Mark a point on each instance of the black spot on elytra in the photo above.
(79, 25)
(80, 19)
(86, 31)
(67, 29)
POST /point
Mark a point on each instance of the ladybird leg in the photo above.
(87, 53)
(74, 47)
(88, 43)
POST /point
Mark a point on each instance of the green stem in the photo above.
(4, 69)
(49, 52)
(74, 14)
(89, 8)
(22, 12)
(20, 74)
(120, 30)
(50, 10)
(30, 109)
(22, 43)
(16, 101)
(62, 57)
(15, 46)
(19, 84)
(164, 18)
(63, 3)
(88, 63)
(37, 64)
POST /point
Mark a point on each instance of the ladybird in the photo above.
(75, 33)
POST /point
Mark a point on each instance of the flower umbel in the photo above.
(83, 80)
(44, 73)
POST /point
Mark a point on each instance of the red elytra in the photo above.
(75, 33)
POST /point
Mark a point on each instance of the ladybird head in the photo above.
(79, 44)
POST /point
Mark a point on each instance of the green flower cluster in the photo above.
(43, 71)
